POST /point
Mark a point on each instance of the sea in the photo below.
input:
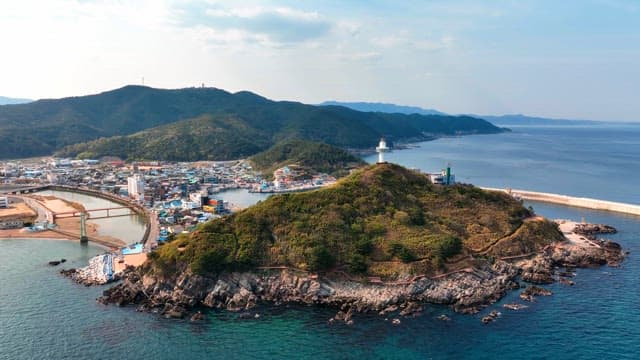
(44, 315)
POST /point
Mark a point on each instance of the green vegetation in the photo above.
(311, 157)
(382, 220)
(225, 125)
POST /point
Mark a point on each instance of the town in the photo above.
(180, 194)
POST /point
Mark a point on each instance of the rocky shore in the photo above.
(99, 271)
(466, 291)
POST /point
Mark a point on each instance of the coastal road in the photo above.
(154, 230)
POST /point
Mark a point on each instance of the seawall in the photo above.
(581, 202)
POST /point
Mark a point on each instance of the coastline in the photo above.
(572, 201)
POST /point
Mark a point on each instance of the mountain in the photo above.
(135, 121)
(383, 220)
(139, 122)
(310, 157)
(384, 107)
(13, 101)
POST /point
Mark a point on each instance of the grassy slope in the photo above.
(382, 220)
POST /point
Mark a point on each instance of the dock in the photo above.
(581, 202)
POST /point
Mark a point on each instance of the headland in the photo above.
(383, 240)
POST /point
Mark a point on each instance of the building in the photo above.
(381, 149)
(4, 203)
(445, 177)
(135, 187)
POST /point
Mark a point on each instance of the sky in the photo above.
(573, 59)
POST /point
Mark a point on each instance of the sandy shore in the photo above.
(18, 234)
(133, 260)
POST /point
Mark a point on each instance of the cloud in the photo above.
(405, 40)
(265, 25)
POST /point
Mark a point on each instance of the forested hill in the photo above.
(309, 156)
(382, 220)
(240, 124)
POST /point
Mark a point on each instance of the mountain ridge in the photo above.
(134, 117)
(502, 120)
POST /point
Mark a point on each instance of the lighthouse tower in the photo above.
(381, 149)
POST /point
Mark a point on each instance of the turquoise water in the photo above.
(43, 315)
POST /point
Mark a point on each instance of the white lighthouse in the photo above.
(381, 149)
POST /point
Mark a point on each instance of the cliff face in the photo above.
(383, 239)
(466, 291)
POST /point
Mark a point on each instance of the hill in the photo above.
(197, 114)
(312, 157)
(12, 101)
(382, 220)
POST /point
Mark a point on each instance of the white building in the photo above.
(381, 149)
(135, 187)
(4, 203)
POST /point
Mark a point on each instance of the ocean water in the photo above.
(43, 315)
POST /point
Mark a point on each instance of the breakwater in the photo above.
(582, 202)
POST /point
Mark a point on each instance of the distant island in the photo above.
(501, 120)
(13, 101)
(383, 239)
(384, 107)
(143, 123)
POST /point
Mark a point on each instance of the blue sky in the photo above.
(564, 59)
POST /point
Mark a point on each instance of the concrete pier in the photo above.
(581, 202)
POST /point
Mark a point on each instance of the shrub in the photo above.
(320, 259)
(357, 264)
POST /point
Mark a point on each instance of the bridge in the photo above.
(106, 213)
(17, 190)
(151, 229)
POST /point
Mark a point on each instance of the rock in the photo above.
(530, 293)
(566, 282)
(245, 315)
(594, 229)
(514, 306)
(54, 262)
(396, 321)
(538, 271)
(175, 312)
(412, 308)
(492, 316)
(389, 309)
(63, 260)
(198, 316)
(444, 317)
